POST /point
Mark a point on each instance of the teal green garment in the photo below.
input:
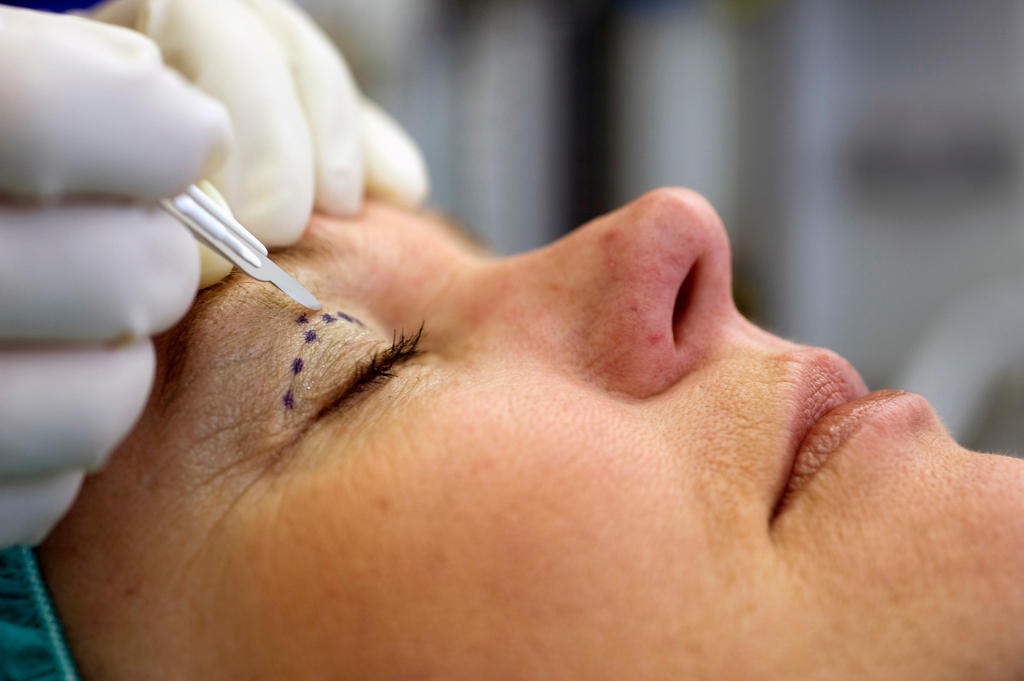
(32, 646)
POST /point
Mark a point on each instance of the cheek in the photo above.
(476, 529)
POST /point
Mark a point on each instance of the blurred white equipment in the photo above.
(973, 349)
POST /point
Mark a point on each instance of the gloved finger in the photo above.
(118, 12)
(92, 271)
(30, 508)
(90, 109)
(330, 100)
(225, 49)
(213, 266)
(69, 407)
(395, 170)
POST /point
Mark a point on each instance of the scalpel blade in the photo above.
(279, 278)
(220, 231)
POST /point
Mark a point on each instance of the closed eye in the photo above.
(377, 371)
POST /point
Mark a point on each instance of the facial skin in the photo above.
(579, 477)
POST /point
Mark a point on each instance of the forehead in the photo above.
(383, 247)
(380, 227)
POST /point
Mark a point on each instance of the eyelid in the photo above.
(375, 372)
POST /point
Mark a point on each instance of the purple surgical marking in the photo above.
(328, 318)
(296, 365)
(288, 400)
(351, 320)
(310, 336)
(302, 319)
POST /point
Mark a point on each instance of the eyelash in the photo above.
(379, 368)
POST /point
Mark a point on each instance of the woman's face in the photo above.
(592, 468)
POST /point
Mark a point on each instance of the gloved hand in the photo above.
(89, 110)
(93, 129)
(303, 134)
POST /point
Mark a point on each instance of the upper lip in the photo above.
(822, 381)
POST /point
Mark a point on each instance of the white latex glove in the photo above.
(93, 129)
(302, 135)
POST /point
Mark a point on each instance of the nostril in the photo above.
(683, 297)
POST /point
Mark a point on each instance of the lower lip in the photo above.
(833, 430)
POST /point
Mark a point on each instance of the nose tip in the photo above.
(661, 281)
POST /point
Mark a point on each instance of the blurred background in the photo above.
(865, 156)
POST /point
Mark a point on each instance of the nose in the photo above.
(633, 300)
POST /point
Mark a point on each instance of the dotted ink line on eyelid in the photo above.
(350, 320)
(310, 336)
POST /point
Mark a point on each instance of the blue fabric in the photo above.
(54, 5)
(32, 646)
